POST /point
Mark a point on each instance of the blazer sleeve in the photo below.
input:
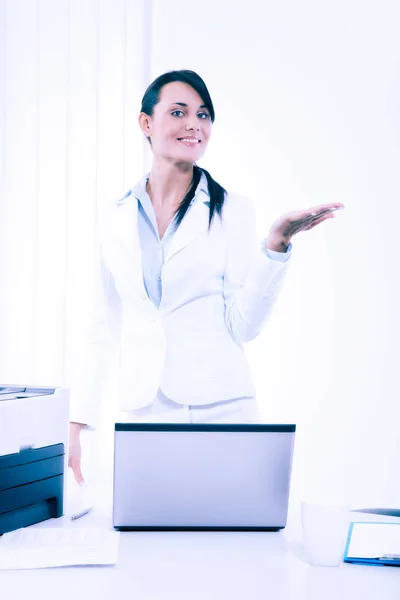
(252, 279)
(102, 343)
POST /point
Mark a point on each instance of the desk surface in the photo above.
(204, 566)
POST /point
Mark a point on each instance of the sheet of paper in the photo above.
(38, 548)
(373, 540)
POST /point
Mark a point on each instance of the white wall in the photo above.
(306, 97)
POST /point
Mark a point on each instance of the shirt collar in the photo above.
(139, 189)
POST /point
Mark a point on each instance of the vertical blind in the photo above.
(72, 74)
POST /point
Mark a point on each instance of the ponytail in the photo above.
(216, 191)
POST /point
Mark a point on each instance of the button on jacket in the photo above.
(176, 312)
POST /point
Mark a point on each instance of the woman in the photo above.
(183, 282)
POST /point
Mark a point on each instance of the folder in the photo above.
(373, 543)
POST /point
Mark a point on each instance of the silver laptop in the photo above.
(198, 476)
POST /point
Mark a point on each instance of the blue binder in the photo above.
(392, 560)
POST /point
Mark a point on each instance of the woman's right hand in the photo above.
(75, 452)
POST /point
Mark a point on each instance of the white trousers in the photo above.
(164, 410)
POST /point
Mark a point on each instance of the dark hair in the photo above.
(150, 99)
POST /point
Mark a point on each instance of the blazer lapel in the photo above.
(126, 242)
(194, 223)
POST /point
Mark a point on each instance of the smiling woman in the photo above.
(183, 282)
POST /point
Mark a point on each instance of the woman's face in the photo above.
(180, 126)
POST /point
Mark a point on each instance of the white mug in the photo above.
(325, 529)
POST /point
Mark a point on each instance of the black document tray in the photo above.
(31, 486)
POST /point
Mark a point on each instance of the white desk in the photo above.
(204, 566)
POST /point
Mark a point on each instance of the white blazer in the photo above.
(218, 288)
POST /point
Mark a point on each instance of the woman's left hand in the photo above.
(289, 224)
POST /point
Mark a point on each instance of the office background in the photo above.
(307, 111)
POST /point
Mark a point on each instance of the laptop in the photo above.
(171, 476)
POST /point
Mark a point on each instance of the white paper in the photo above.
(38, 548)
(374, 540)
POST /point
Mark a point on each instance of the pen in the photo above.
(389, 557)
(81, 514)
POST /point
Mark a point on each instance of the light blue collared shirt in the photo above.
(154, 250)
